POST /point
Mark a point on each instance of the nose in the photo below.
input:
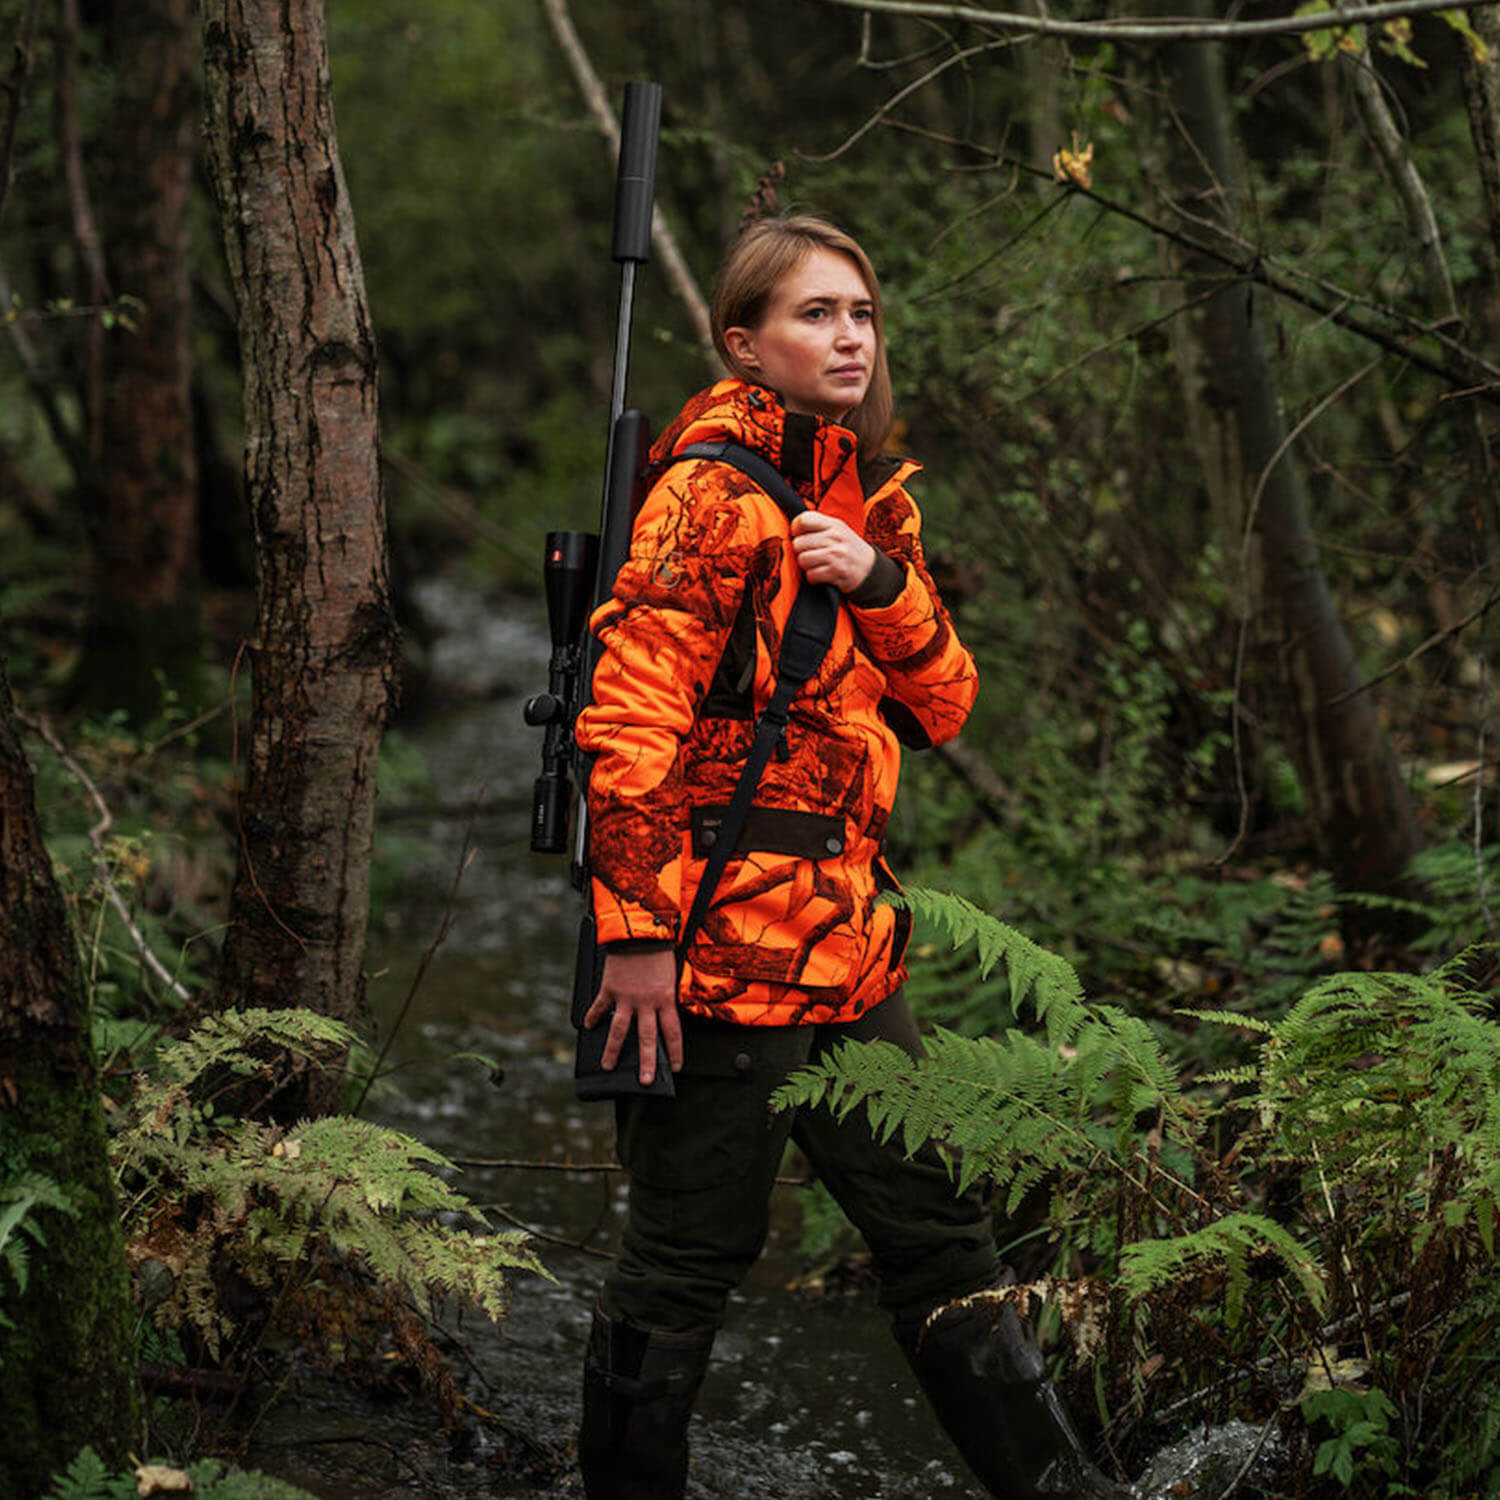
(850, 331)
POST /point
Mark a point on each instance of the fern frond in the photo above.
(1229, 1242)
(1044, 978)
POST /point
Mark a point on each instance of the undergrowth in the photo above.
(336, 1235)
(1304, 1238)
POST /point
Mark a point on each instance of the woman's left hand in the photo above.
(831, 551)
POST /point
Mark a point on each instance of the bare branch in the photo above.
(1161, 29)
(901, 94)
(662, 237)
(1250, 263)
(1435, 639)
(101, 860)
(15, 86)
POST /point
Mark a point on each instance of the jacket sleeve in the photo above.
(662, 634)
(929, 672)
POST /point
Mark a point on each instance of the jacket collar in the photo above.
(818, 457)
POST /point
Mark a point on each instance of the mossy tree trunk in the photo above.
(67, 1367)
(325, 653)
(139, 487)
(1309, 683)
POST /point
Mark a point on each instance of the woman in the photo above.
(796, 953)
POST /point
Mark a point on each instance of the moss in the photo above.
(68, 1373)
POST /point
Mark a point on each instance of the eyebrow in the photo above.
(825, 298)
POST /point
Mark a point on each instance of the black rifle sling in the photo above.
(804, 644)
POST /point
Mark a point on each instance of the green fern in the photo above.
(88, 1477)
(22, 1192)
(331, 1205)
(1228, 1244)
(1337, 1186)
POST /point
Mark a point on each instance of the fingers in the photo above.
(671, 1032)
(641, 991)
(645, 1022)
(829, 551)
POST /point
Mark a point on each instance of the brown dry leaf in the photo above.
(1073, 166)
(158, 1479)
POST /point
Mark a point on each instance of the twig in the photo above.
(466, 857)
(604, 117)
(1435, 639)
(101, 860)
(1249, 1463)
(540, 1234)
(1163, 29)
(15, 86)
(1479, 875)
(519, 1164)
(1244, 628)
(903, 93)
(1250, 263)
(454, 504)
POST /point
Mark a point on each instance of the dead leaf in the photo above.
(158, 1479)
(1073, 166)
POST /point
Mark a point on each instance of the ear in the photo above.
(741, 344)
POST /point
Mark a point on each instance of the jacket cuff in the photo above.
(882, 587)
(640, 945)
(617, 920)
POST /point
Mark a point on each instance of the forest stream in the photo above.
(807, 1398)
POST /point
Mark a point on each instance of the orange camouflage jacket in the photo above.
(690, 642)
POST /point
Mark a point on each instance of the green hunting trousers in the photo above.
(701, 1168)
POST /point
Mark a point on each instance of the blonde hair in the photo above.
(771, 249)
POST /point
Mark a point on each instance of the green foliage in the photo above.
(22, 1193)
(89, 1478)
(337, 1223)
(1344, 1175)
(1361, 1433)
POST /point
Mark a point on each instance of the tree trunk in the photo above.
(1482, 94)
(324, 659)
(1361, 812)
(140, 486)
(67, 1376)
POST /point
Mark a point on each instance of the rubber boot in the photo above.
(988, 1385)
(639, 1385)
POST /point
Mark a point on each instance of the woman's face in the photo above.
(815, 346)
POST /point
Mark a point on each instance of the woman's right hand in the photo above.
(641, 990)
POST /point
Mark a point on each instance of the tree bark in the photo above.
(324, 658)
(1360, 810)
(140, 485)
(68, 1373)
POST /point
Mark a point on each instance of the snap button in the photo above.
(742, 1062)
(710, 837)
(834, 845)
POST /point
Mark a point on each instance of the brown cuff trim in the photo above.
(772, 830)
(883, 586)
(639, 945)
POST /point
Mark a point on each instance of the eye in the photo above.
(864, 314)
(815, 314)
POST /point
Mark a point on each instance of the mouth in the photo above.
(847, 372)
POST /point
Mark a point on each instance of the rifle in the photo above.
(579, 570)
